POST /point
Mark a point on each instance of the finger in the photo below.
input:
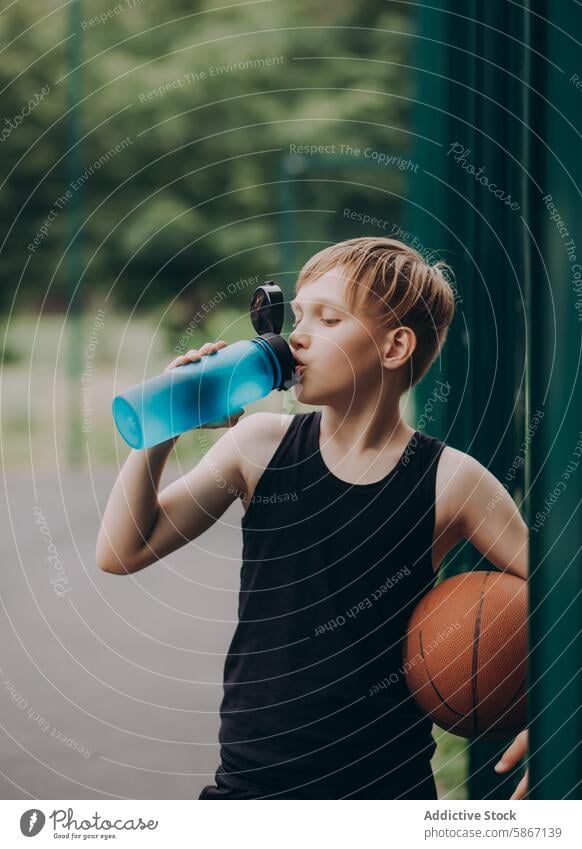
(193, 355)
(210, 348)
(521, 789)
(175, 363)
(513, 753)
(187, 359)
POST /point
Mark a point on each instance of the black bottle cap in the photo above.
(267, 316)
(267, 308)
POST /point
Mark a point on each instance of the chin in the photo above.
(305, 397)
(312, 395)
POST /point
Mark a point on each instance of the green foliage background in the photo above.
(194, 199)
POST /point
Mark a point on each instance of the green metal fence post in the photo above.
(555, 386)
(74, 258)
(468, 100)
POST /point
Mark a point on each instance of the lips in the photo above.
(298, 372)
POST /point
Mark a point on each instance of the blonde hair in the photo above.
(394, 282)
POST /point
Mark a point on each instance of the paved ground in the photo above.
(109, 686)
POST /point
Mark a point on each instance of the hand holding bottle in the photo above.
(194, 355)
(210, 393)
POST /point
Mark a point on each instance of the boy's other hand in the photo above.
(194, 355)
(510, 757)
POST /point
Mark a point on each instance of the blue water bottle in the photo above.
(215, 387)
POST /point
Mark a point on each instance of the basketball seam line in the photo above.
(475, 660)
(433, 685)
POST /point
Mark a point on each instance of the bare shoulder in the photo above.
(455, 464)
(262, 426)
(257, 437)
(461, 472)
(455, 472)
(464, 484)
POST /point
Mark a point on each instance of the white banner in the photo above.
(292, 824)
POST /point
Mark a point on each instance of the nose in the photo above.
(297, 340)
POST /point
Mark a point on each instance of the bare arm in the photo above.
(139, 526)
(485, 513)
(132, 508)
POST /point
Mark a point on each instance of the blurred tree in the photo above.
(188, 110)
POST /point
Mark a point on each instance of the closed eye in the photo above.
(327, 321)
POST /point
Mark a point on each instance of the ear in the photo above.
(399, 345)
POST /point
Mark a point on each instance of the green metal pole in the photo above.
(74, 258)
(555, 356)
(469, 88)
(499, 375)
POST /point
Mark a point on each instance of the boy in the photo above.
(349, 513)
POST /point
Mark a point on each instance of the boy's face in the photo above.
(342, 352)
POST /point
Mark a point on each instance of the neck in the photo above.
(369, 427)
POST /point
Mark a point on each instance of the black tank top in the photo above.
(314, 689)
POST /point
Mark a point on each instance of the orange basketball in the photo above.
(465, 654)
